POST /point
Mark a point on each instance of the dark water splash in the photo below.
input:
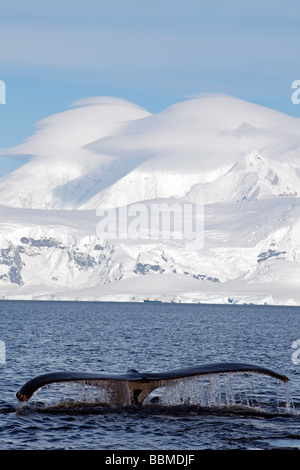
(226, 391)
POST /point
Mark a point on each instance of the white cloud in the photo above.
(104, 141)
(63, 136)
(207, 133)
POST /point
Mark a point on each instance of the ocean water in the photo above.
(40, 337)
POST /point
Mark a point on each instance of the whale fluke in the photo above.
(139, 385)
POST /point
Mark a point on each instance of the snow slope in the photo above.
(253, 177)
(237, 160)
(63, 171)
(251, 253)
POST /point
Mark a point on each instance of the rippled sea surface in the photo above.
(42, 337)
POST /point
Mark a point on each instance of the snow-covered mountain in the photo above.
(253, 177)
(238, 161)
(62, 171)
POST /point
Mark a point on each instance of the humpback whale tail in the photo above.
(134, 387)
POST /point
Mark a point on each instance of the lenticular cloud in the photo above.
(62, 135)
(102, 146)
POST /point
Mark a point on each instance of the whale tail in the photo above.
(134, 387)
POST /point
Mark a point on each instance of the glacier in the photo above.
(239, 161)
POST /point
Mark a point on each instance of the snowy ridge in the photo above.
(252, 177)
(241, 161)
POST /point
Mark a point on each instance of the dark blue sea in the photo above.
(40, 337)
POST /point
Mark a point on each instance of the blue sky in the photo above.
(153, 53)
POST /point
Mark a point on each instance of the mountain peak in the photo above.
(103, 146)
(269, 177)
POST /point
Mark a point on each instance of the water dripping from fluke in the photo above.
(218, 386)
